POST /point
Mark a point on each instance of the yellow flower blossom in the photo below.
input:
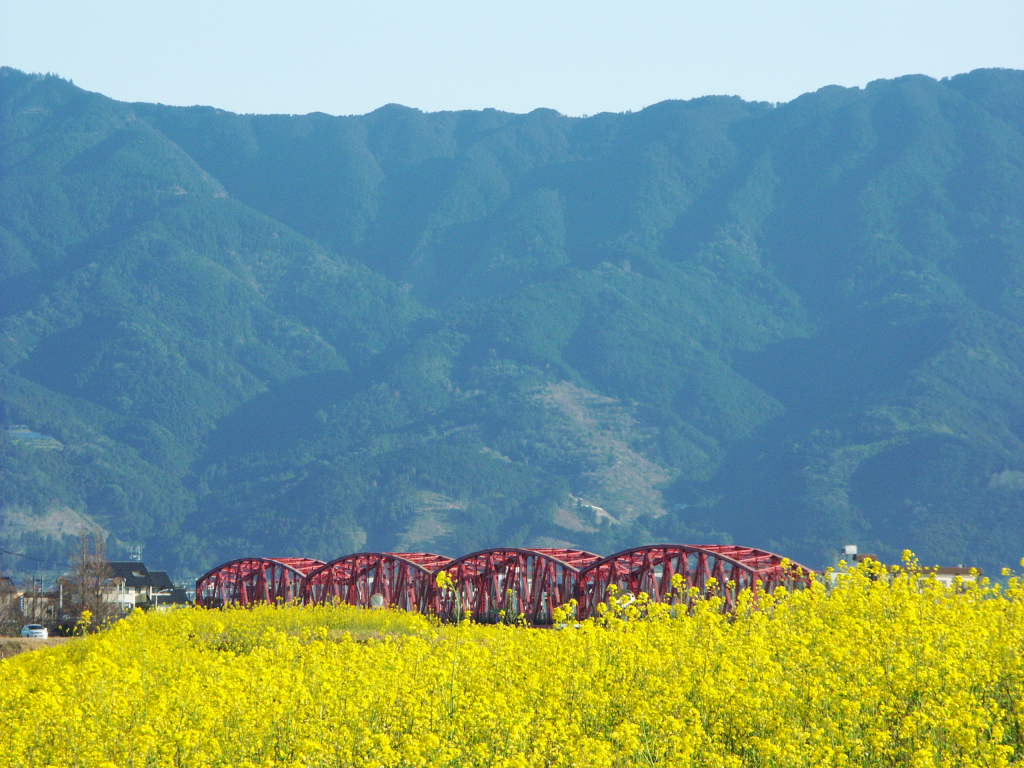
(872, 666)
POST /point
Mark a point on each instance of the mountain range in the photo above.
(792, 326)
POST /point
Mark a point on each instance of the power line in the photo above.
(30, 557)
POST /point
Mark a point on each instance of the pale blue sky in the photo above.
(577, 57)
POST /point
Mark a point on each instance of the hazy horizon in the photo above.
(576, 58)
(72, 81)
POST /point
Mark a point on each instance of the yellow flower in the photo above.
(878, 667)
(444, 580)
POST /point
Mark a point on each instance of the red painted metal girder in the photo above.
(767, 566)
(376, 579)
(578, 558)
(305, 565)
(249, 580)
(651, 569)
(513, 580)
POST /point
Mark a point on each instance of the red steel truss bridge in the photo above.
(503, 582)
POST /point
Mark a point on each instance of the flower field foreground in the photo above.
(878, 670)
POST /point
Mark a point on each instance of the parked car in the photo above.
(34, 630)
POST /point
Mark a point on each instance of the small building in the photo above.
(163, 591)
(864, 557)
(132, 585)
(945, 574)
(949, 574)
(39, 606)
(129, 585)
(178, 596)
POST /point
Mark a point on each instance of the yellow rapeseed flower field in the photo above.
(876, 669)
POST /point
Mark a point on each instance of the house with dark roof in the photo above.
(132, 585)
(160, 581)
(127, 585)
(164, 592)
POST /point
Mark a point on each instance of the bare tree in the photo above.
(10, 615)
(90, 580)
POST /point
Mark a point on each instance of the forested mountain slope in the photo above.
(792, 326)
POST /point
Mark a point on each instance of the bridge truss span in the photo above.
(249, 580)
(512, 581)
(376, 579)
(651, 569)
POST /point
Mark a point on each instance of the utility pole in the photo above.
(39, 593)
